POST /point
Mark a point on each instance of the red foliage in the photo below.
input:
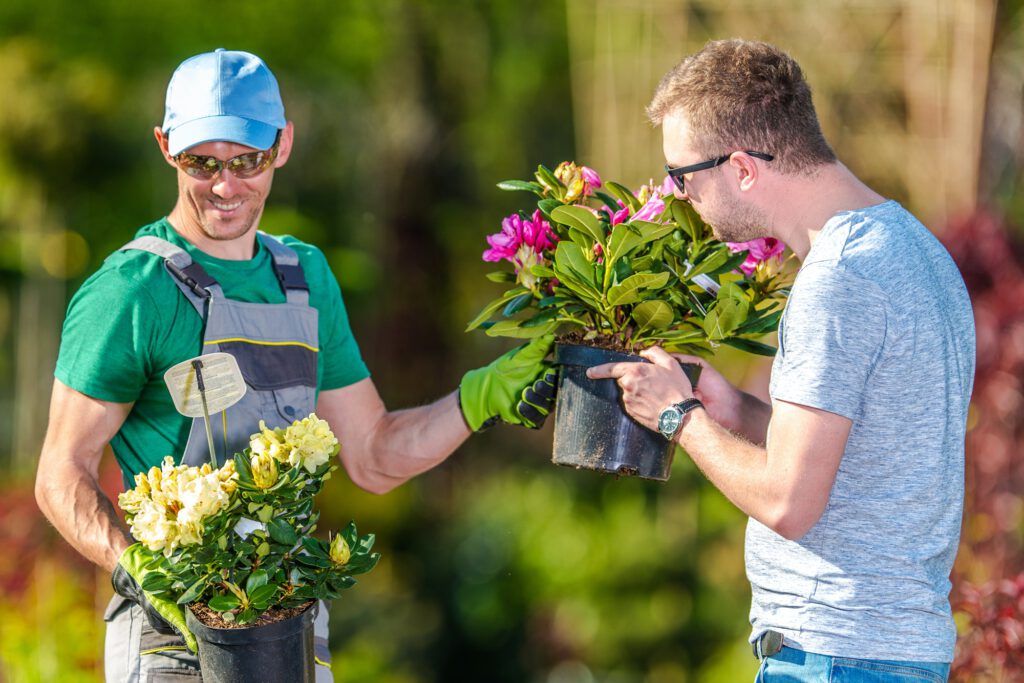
(988, 577)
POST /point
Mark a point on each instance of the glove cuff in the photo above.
(470, 392)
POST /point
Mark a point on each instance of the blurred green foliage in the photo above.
(496, 566)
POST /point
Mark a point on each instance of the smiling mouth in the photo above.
(225, 206)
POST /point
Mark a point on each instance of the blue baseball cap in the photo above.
(224, 95)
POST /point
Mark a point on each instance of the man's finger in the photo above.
(544, 389)
(694, 360)
(609, 370)
(537, 399)
(533, 417)
(659, 356)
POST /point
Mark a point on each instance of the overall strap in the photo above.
(288, 269)
(193, 281)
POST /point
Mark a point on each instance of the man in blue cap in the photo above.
(204, 279)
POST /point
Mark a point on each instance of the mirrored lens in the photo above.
(245, 165)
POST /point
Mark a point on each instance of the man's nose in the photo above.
(226, 184)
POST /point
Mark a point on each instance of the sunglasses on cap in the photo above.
(678, 172)
(248, 165)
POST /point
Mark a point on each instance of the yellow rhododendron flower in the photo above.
(264, 470)
(269, 441)
(312, 443)
(169, 503)
(340, 552)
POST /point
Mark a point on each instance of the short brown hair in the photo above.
(740, 94)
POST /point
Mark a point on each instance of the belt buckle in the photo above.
(767, 644)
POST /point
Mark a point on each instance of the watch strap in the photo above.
(689, 405)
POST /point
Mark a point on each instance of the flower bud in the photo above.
(264, 470)
(340, 552)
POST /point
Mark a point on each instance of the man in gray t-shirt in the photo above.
(853, 476)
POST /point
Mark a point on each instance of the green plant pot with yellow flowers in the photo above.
(235, 546)
(611, 271)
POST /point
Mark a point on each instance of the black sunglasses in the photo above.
(677, 173)
(248, 165)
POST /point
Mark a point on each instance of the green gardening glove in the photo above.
(517, 388)
(164, 615)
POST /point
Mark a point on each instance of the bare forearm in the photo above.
(408, 442)
(733, 464)
(76, 506)
(753, 416)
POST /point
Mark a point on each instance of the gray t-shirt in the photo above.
(879, 329)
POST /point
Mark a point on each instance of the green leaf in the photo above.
(282, 532)
(265, 513)
(622, 193)
(546, 206)
(542, 271)
(628, 236)
(517, 329)
(501, 276)
(513, 185)
(582, 219)
(256, 579)
(724, 317)
(750, 346)
(548, 180)
(313, 560)
(193, 592)
(315, 546)
(763, 325)
(717, 258)
(572, 264)
(608, 200)
(653, 315)
(687, 219)
(156, 583)
(628, 291)
(262, 597)
(517, 304)
(223, 603)
(492, 307)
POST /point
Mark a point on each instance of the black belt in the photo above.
(767, 644)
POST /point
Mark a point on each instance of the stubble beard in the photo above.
(744, 223)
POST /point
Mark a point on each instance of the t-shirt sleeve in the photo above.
(830, 340)
(107, 337)
(342, 361)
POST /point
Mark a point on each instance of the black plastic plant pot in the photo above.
(282, 651)
(593, 430)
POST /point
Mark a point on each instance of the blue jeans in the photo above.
(796, 666)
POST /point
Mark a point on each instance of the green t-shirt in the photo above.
(129, 323)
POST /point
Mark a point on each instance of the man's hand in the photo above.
(517, 388)
(648, 388)
(164, 615)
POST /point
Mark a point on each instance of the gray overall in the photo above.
(276, 348)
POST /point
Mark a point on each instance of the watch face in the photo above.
(669, 420)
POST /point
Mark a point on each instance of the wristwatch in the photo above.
(671, 418)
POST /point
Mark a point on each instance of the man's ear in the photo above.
(161, 140)
(746, 170)
(284, 147)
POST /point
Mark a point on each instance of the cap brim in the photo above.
(255, 134)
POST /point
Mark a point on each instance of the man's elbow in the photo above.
(367, 478)
(793, 521)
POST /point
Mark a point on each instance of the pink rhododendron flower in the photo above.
(758, 251)
(592, 179)
(649, 211)
(580, 181)
(619, 216)
(667, 186)
(517, 231)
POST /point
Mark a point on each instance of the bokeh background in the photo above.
(497, 566)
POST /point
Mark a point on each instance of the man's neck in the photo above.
(241, 248)
(811, 200)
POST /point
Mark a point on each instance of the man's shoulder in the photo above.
(133, 271)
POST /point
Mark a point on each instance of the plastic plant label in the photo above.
(222, 382)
